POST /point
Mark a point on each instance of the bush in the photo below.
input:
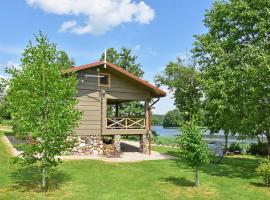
(264, 170)
(258, 149)
(234, 147)
(4, 112)
(154, 133)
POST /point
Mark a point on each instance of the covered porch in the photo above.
(121, 119)
(125, 118)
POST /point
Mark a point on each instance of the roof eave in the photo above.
(157, 91)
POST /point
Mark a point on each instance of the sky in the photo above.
(157, 31)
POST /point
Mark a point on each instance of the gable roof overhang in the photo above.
(154, 90)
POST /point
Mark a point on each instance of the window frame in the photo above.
(109, 80)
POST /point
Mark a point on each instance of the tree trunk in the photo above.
(268, 144)
(44, 183)
(197, 183)
(258, 138)
(226, 135)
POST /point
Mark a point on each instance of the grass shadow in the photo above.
(259, 184)
(233, 167)
(182, 182)
(29, 179)
(173, 153)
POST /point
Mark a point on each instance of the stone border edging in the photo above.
(13, 150)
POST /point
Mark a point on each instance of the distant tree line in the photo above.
(171, 119)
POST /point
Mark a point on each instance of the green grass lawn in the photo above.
(150, 180)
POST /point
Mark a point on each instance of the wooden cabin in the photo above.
(101, 84)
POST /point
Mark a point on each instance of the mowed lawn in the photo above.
(167, 179)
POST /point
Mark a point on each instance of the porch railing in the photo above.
(125, 123)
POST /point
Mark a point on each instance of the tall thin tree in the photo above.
(42, 102)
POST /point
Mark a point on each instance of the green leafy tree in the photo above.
(172, 118)
(42, 102)
(126, 60)
(4, 110)
(234, 56)
(192, 148)
(156, 119)
(64, 60)
(4, 113)
(184, 82)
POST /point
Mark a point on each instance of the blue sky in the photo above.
(156, 30)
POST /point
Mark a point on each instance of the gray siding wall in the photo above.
(94, 111)
(90, 106)
(120, 88)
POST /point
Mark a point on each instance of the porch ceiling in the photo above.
(116, 101)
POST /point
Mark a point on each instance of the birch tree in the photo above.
(42, 102)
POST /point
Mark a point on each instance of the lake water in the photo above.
(218, 137)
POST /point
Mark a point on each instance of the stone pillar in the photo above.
(116, 142)
(144, 144)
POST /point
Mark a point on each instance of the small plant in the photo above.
(154, 133)
(258, 149)
(234, 147)
(192, 148)
(264, 170)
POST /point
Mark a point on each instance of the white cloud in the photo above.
(12, 64)
(7, 65)
(137, 47)
(68, 25)
(102, 15)
(4, 76)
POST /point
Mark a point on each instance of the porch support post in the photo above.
(116, 110)
(144, 143)
(116, 142)
(146, 138)
(146, 109)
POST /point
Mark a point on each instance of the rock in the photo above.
(82, 145)
(95, 152)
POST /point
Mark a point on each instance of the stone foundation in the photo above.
(144, 144)
(88, 145)
(93, 145)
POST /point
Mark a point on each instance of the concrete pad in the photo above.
(130, 154)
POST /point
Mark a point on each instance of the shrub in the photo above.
(235, 147)
(154, 133)
(264, 170)
(4, 112)
(258, 149)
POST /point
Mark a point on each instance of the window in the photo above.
(104, 80)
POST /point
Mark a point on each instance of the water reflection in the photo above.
(219, 137)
